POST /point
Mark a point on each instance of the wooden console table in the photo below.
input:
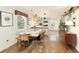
(70, 39)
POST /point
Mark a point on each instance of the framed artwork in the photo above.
(6, 19)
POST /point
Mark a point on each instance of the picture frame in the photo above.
(6, 19)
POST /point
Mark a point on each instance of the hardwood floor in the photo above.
(49, 47)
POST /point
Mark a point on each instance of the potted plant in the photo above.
(62, 26)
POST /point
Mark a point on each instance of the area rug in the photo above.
(35, 47)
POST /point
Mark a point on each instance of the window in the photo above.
(21, 22)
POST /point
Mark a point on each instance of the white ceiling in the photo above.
(53, 11)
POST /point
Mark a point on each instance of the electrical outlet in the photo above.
(7, 40)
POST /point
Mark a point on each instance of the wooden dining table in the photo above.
(28, 36)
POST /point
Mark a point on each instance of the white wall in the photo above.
(77, 28)
(9, 33)
(55, 22)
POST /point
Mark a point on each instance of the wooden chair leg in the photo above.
(18, 42)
